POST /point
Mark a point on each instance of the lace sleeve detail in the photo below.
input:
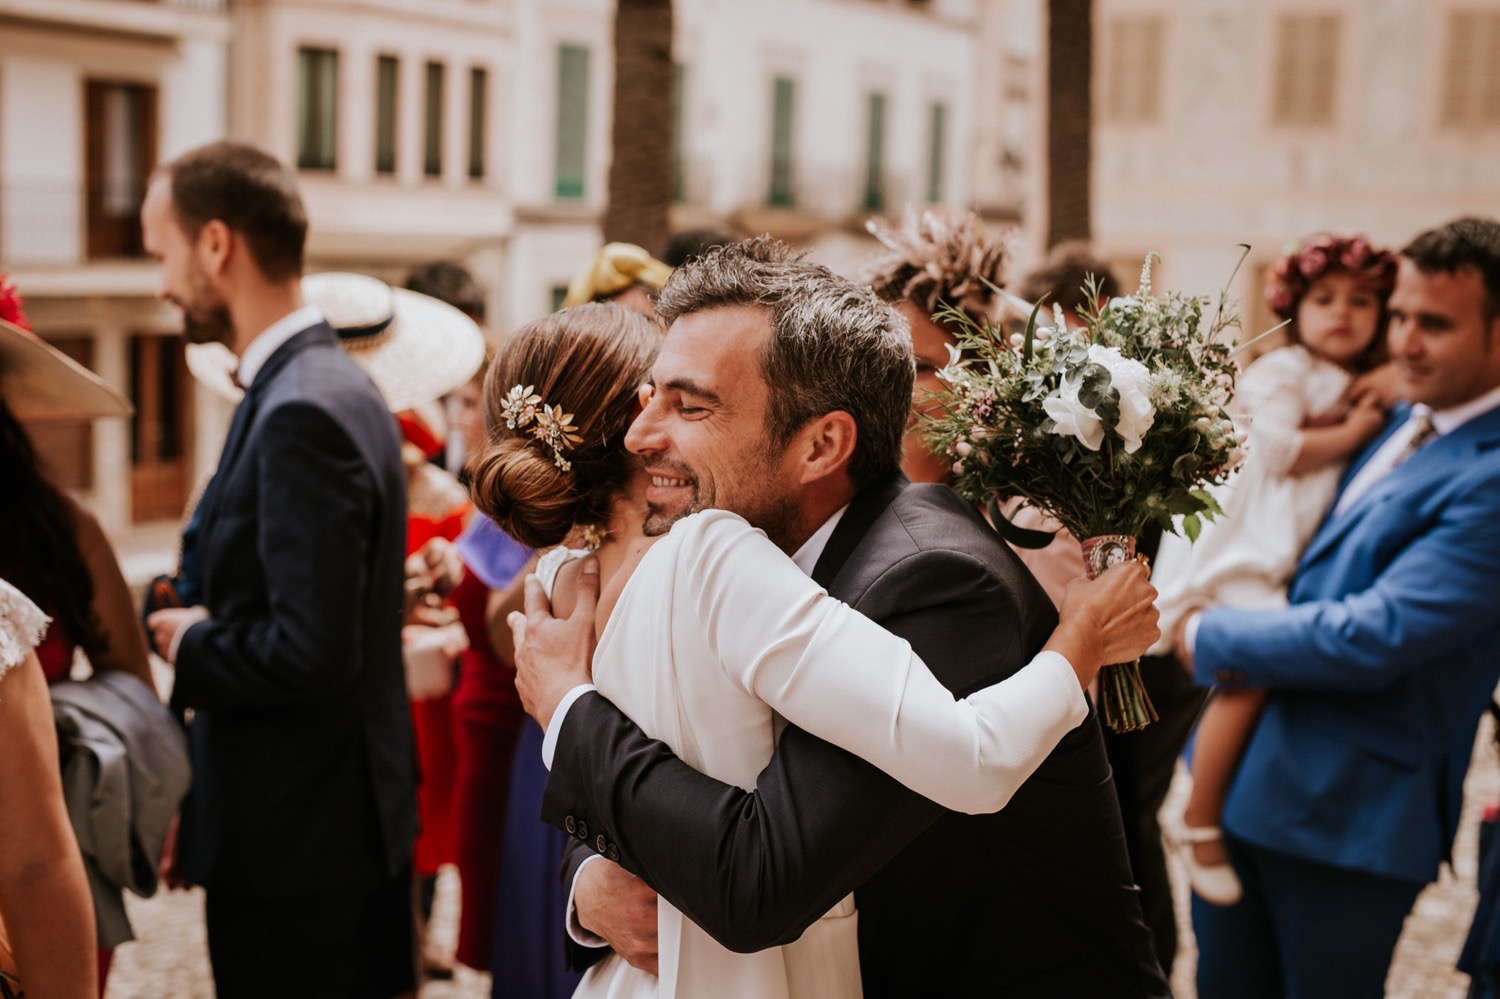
(22, 625)
(551, 563)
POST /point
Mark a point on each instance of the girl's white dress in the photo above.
(717, 641)
(22, 625)
(1246, 557)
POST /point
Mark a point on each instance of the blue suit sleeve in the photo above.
(1429, 601)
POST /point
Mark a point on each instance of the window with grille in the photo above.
(317, 108)
(783, 99)
(1471, 70)
(937, 141)
(572, 121)
(119, 155)
(479, 98)
(874, 199)
(1306, 69)
(432, 134)
(387, 78)
(1133, 70)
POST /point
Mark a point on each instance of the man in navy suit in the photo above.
(302, 813)
(1348, 796)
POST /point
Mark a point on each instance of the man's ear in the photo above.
(825, 446)
(215, 246)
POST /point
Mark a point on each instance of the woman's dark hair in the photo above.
(39, 553)
(587, 362)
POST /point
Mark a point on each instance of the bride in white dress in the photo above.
(46, 913)
(711, 639)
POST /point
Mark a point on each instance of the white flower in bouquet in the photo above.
(1125, 398)
(1105, 428)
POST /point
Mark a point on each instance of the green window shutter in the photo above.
(432, 140)
(937, 139)
(572, 120)
(387, 75)
(782, 192)
(874, 200)
(479, 86)
(317, 108)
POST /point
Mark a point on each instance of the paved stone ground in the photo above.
(169, 960)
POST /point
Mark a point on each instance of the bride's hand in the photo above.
(552, 654)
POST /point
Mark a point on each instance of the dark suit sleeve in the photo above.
(313, 517)
(755, 869)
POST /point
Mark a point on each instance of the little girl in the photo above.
(1306, 416)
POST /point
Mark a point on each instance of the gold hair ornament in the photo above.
(523, 408)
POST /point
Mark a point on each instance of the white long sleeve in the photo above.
(834, 673)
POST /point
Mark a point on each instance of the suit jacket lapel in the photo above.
(1428, 464)
(244, 415)
(868, 504)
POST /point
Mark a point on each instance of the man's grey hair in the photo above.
(834, 344)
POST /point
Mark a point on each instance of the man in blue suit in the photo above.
(1348, 796)
(302, 812)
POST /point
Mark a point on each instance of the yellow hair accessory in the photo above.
(616, 267)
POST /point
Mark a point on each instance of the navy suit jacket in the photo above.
(1379, 669)
(1035, 900)
(304, 772)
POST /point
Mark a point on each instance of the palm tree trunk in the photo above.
(1070, 45)
(640, 172)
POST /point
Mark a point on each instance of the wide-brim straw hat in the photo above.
(41, 383)
(415, 348)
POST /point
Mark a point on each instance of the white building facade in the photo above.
(474, 130)
(92, 94)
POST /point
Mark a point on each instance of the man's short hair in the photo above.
(449, 282)
(1463, 243)
(1062, 277)
(252, 193)
(834, 345)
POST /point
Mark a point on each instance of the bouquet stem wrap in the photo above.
(1122, 696)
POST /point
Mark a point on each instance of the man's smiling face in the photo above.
(702, 428)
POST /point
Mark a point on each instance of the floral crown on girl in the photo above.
(523, 409)
(1288, 279)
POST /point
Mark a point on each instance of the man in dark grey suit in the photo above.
(781, 393)
(302, 813)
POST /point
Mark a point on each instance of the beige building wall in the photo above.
(1222, 122)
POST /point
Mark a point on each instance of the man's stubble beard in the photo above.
(776, 514)
(212, 325)
(206, 318)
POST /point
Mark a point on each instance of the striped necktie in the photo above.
(1422, 431)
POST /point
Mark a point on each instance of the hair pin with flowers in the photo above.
(523, 408)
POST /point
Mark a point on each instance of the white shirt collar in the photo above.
(812, 549)
(259, 350)
(1445, 421)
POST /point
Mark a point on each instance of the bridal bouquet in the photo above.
(1104, 428)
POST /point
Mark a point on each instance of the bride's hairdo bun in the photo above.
(558, 399)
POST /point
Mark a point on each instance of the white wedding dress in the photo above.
(22, 625)
(717, 637)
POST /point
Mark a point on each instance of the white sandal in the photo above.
(1216, 884)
